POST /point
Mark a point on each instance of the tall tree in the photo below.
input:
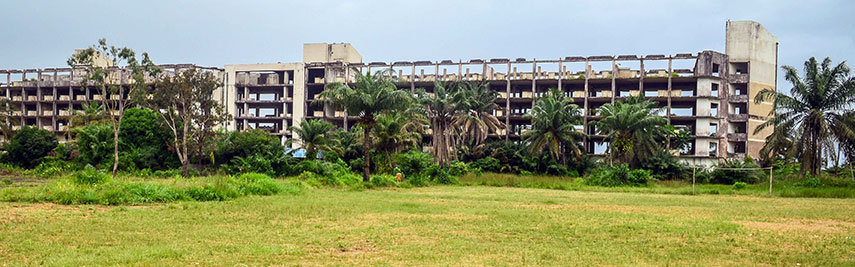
(442, 107)
(368, 97)
(185, 104)
(104, 68)
(633, 129)
(552, 127)
(7, 118)
(815, 107)
(477, 120)
(314, 135)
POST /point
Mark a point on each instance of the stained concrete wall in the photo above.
(748, 41)
(329, 53)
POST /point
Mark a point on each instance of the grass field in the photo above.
(440, 225)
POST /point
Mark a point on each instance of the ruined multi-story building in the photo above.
(709, 94)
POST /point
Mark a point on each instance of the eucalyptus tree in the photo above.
(633, 129)
(182, 100)
(815, 110)
(369, 96)
(101, 64)
(553, 121)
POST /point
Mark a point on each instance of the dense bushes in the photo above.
(413, 163)
(619, 175)
(92, 186)
(725, 176)
(29, 145)
(145, 140)
(95, 145)
(246, 143)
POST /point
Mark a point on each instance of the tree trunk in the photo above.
(115, 151)
(183, 154)
(366, 147)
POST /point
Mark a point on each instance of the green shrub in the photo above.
(144, 141)
(665, 166)
(246, 143)
(731, 176)
(258, 184)
(440, 175)
(150, 193)
(295, 187)
(739, 185)
(619, 175)
(89, 176)
(458, 168)
(383, 180)
(95, 144)
(51, 166)
(487, 164)
(811, 182)
(219, 191)
(412, 163)
(560, 170)
(29, 145)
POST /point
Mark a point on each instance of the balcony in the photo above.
(738, 99)
(737, 117)
(739, 78)
(737, 137)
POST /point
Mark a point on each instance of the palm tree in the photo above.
(478, 120)
(779, 145)
(91, 113)
(815, 107)
(314, 135)
(552, 127)
(441, 107)
(370, 96)
(633, 129)
(394, 133)
(345, 143)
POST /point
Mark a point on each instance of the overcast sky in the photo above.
(42, 34)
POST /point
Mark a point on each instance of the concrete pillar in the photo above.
(614, 76)
(508, 103)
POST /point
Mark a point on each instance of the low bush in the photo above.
(440, 175)
(52, 166)
(731, 176)
(258, 184)
(619, 175)
(487, 164)
(382, 180)
(458, 168)
(89, 176)
(412, 163)
(739, 185)
(213, 192)
(150, 193)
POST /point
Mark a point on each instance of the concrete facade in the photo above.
(708, 94)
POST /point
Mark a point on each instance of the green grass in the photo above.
(783, 188)
(440, 225)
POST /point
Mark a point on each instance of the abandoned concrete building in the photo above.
(709, 94)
